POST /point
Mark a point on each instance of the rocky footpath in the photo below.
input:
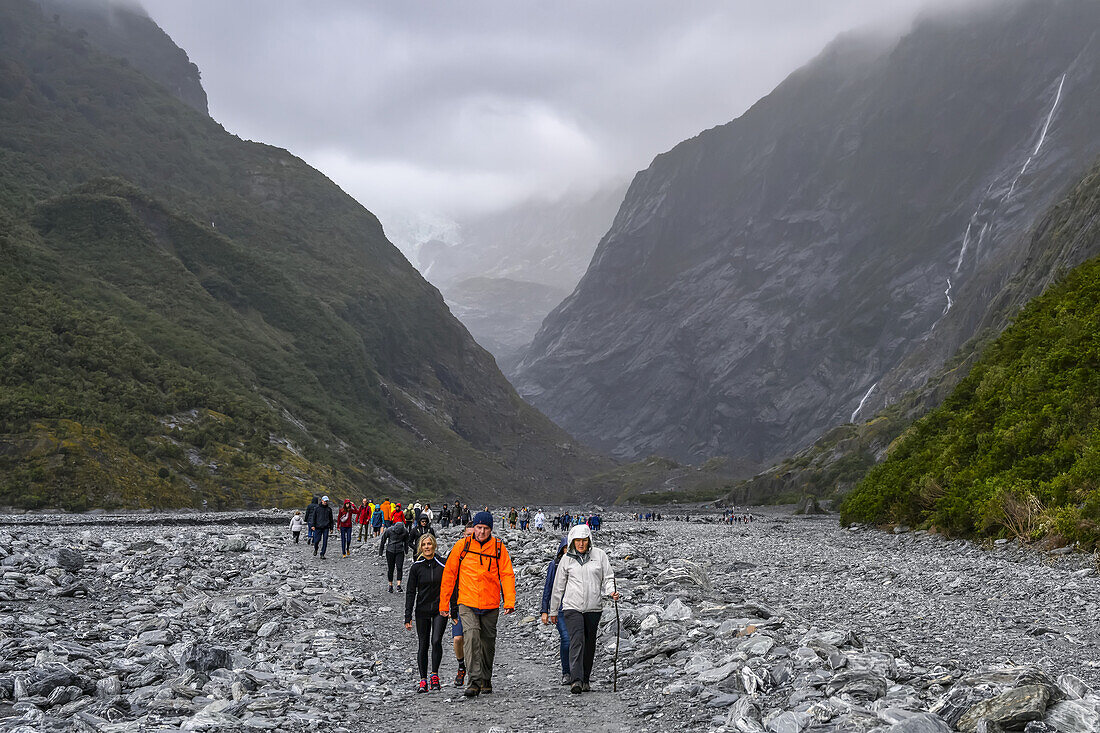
(786, 625)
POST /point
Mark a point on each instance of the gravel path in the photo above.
(526, 696)
(785, 624)
(925, 596)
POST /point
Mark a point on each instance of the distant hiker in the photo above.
(409, 520)
(540, 521)
(344, 520)
(525, 519)
(445, 516)
(296, 524)
(397, 515)
(425, 576)
(456, 625)
(376, 520)
(387, 513)
(423, 527)
(513, 515)
(362, 518)
(583, 577)
(481, 585)
(393, 543)
(428, 510)
(309, 517)
(322, 523)
(563, 630)
(456, 513)
(416, 509)
(466, 516)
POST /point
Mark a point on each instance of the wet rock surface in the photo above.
(780, 626)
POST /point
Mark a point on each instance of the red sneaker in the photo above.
(423, 686)
(435, 682)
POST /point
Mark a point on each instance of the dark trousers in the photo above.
(430, 629)
(394, 560)
(364, 530)
(582, 642)
(345, 539)
(296, 534)
(479, 643)
(563, 647)
(320, 540)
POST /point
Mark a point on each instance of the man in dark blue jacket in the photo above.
(563, 632)
(321, 524)
(310, 510)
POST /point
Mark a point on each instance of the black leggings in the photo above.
(394, 559)
(430, 626)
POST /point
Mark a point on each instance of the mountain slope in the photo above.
(1015, 448)
(786, 273)
(245, 276)
(1066, 237)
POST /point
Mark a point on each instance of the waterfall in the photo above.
(863, 402)
(988, 203)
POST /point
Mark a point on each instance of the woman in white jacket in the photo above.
(296, 525)
(584, 576)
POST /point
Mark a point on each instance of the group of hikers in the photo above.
(566, 520)
(473, 584)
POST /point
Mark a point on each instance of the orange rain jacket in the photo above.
(387, 510)
(483, 573)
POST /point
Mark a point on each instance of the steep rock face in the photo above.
(830, 249)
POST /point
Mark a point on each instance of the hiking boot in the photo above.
(422, 687)
(322, 556)
(585, 687)
(566, 679)
(460, 678)
(472, 690)
(398, 589)
(391, 589)
(486, 688)
(575, 688)
(315, 549)
(435, 682)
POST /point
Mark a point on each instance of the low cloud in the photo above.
(459, 108)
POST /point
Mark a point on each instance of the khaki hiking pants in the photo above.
(479, 643)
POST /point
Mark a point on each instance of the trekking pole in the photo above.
(615, 663)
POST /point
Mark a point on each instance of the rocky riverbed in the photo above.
(785, 625)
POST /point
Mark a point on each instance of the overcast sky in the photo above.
(454, 108)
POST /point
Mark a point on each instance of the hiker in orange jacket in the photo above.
(387, 512)
(482, 569)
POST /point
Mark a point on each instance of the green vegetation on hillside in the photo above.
(1015, 449)
(188, 316)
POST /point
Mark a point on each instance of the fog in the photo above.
(457, 109)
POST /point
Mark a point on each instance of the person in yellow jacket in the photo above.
(482, 569)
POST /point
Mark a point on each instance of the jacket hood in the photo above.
(424, 521)
(580, 532)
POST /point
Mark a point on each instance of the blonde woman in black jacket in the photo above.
(424, 580)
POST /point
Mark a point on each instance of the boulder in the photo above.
(203, 657)
(1012, 709)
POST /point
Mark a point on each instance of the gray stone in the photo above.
(68, 559)
(203, 657)
(860, 685)
(921, 723)
(1074, 716)
(1013, 708)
